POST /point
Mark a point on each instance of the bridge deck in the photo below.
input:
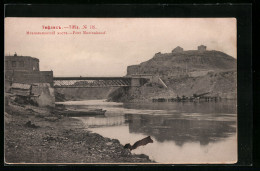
(91, 78)
(91, 82)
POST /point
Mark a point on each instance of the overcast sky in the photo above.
(125, 42)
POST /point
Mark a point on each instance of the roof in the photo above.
(21, 86)
(20, 58)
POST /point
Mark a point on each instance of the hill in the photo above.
(183, 63)
(184, 73)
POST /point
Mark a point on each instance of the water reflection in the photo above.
(102, 121)
(225, 106)
(182, 132)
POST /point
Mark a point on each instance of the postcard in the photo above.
(120, 91)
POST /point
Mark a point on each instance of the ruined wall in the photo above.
(44, 94)
(25, 70)
(42, 82)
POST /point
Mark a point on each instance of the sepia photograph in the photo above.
(120, 90)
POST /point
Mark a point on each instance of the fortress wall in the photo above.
(29, 77)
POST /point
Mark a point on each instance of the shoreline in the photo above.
(39, 135)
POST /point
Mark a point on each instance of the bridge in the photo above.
(97, 82)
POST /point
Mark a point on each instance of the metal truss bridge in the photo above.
(92, 82)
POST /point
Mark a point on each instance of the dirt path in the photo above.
(49, 138)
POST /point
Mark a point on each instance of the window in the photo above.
(13, 63)
(21, 64)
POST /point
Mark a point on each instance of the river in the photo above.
(182, 133)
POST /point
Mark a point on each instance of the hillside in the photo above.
(221, 84)
(64, 94)
(183, 63)
(184, 73)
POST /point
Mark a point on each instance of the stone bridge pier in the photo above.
(138, 82)
(140, 79)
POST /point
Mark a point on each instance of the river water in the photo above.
(183, 133)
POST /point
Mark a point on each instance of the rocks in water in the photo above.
(141, 142)
(143, 156)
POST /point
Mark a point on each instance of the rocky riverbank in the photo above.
(218, 84)
(184, 73)
(39, 135)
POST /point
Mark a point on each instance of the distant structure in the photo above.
(202, 48)
(177, 49)
(158, 54)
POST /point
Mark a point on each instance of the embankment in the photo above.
(185, 73)
(40, 135)
(220, 84)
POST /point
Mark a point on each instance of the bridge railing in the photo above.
(91, 82)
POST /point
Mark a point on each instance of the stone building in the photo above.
(25, 69)
(202, 48)
(22, 72)
(21, 63)
(177, 49)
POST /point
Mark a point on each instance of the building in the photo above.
(25, 70)
(24, 78)
(177, 49)
(202, 48)
(21, 63)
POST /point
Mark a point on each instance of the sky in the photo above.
(124, 42)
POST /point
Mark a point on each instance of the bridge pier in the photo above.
(137, 82)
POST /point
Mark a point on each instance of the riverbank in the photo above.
(39, 135)
(214, 84)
